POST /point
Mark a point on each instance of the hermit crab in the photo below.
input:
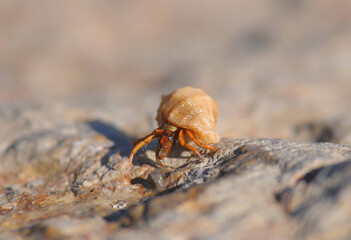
(187, 114)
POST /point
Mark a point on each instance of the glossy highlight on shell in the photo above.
(190, 108)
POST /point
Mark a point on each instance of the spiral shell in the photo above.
(190, 108)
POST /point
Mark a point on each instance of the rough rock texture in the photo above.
(70, 178)
(80, 80)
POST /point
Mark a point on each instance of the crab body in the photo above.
(187, 114)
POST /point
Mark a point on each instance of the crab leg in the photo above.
(188, 146)
(140, 144)
(197, 142)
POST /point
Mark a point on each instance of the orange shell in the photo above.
(190, 108)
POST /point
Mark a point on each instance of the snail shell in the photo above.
(190, 108)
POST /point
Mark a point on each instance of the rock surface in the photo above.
(80, 80)
(65, 177)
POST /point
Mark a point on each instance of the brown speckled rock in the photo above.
(80, 80)
(72, 180)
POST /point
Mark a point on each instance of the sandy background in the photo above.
(277, 68)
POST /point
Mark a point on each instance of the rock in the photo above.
(79, 87)
(67, 177)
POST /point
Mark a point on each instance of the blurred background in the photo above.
(277, 68)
